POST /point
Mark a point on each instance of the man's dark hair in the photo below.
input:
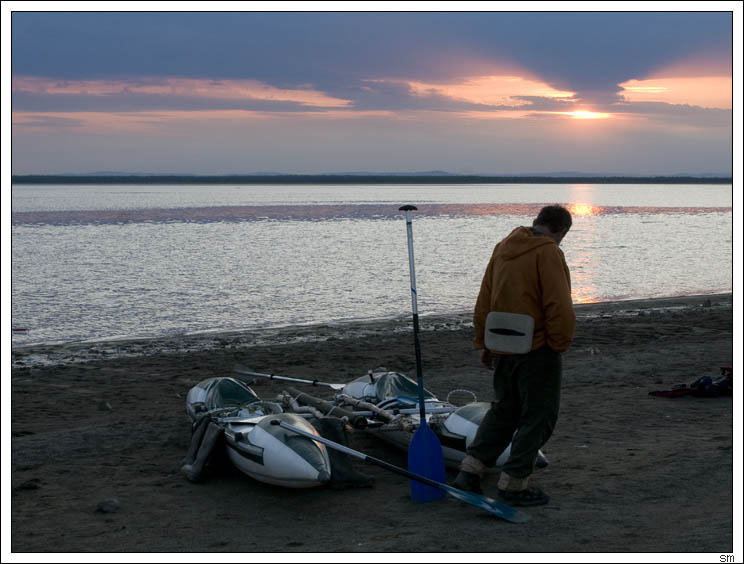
(556, 218)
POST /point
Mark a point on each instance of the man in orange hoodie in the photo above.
(528, 275)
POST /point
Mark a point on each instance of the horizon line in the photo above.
(362, 178)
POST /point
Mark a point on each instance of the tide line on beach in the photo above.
(33, 356)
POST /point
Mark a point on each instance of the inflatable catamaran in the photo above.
(382, 403)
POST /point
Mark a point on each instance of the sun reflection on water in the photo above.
(582, 209)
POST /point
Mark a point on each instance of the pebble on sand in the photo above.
(108, 506)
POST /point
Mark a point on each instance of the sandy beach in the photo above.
(628, 472)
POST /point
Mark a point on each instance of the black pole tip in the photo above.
(407, 207)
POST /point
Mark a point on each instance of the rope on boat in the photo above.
(475, 398)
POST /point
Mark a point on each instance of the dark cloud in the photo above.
(586, 52)
(595, 51)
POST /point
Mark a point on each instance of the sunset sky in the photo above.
(321, 92)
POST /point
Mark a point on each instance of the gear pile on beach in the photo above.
(703, 387)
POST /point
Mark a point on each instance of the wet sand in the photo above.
(628, 473)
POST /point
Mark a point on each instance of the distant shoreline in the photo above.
(360, 179)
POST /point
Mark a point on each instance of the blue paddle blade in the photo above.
(425, 458)
(498, 508)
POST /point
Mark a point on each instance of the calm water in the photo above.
(97, 262)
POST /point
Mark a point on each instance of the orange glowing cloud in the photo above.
(497, 114)
(527, 114)
(703, 91)
(178, 87)
(490, 90)
(584, 114)
(710, 63)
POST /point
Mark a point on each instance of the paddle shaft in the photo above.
(414, 306)
(497, 508)
(240, 369)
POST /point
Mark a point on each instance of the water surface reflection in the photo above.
(323, 212)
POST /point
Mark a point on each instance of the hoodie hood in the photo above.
(520, 241)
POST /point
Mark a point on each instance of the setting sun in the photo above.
(585, 114)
